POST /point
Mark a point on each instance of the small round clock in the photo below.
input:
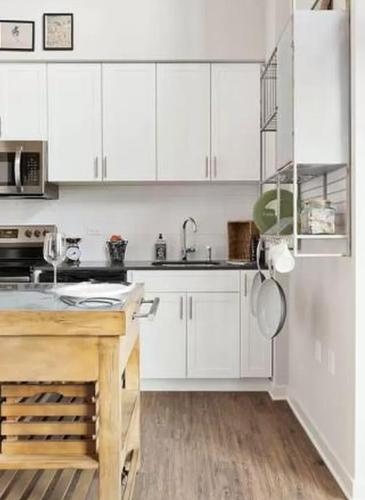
(73, 252)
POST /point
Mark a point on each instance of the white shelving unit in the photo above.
(317, 181)
(311, 121)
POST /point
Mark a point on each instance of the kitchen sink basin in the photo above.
(184, 263)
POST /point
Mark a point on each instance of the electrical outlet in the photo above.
(90, 231)
(318, 351)
(331, 362)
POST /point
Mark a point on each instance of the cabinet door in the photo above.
(235, 122)
(183, 122)
(163, 341)
(213, 335)
(129, 109)
(74, 116)
(256, 350)
(285, 100)
(23, 101)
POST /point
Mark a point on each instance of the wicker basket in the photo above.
(240, 236)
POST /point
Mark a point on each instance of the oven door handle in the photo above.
(17, 170)
(14, 279)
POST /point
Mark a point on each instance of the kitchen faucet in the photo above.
(185, 250)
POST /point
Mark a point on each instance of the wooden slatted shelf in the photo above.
(47, 461)
(48, 484)
(49, 447)
(47, 409)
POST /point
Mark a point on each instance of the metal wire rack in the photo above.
(311, 182)
(268, 95)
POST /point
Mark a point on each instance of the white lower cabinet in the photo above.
(213, 335)
(203, 328)
(256, 350)
(163, 341)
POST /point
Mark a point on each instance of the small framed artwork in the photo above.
(58, 32)
(16, 35)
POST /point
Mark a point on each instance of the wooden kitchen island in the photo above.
(70, 405)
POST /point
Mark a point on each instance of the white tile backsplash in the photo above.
(139, 213)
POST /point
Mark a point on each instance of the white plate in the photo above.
(92, 290)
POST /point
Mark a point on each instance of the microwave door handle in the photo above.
(17, 170)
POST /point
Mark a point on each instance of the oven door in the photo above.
(22, 167)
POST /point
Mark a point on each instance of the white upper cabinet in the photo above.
(183, 122)
(235, 122)
(213, 335)
(313, 94)
(322, 94)
(256, 350)
(75, 129)
(129, 135)
(23, 101)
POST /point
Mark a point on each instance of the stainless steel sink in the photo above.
(184, 263)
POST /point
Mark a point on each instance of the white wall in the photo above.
(150, 29)
(358, 124)
(321, 312)
(139, 213)
(278, 13)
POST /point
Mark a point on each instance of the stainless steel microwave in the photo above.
(23, 170)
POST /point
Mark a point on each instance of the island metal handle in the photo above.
(153, 309)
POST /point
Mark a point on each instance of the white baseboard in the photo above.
(278, 392)
(341, 475)
(358, 491)
(218, 385)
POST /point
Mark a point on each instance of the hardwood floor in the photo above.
(227, 446)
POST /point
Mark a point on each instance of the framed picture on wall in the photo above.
(58, 32)
(16, 35)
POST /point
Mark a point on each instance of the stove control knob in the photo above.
(37, 233)
(28, 233)
(45, 232)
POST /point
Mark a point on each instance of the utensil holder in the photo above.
(117, 251)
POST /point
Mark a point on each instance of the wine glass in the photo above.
(54, 251)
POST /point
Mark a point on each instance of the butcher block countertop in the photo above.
(69, 391)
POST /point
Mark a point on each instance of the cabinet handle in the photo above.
(96, 167)
(105, 168)
(153, 309)
(181, 307)
(206, 167)
(246, 285)
(215, 166)
(190, 307)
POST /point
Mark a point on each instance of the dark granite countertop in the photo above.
(146, 265)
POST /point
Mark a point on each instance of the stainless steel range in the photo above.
(21, 248)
